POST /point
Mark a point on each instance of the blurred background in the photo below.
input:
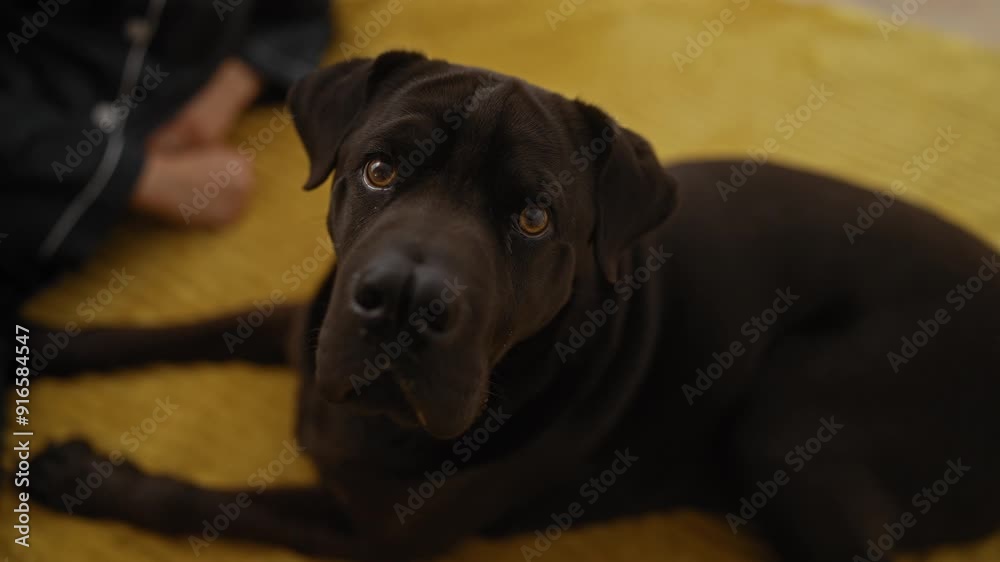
(697, 78)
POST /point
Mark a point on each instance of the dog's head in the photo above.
(467, 206)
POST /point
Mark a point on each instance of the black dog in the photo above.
(527, 307)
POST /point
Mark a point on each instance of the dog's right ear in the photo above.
(325, 105)
(633, 194)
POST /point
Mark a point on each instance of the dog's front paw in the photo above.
(74, 478)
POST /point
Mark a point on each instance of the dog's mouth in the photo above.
(402, 401)
(440, 393)
(389, 393)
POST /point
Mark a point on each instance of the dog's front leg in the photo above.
(73, 478)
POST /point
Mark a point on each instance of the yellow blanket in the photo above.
(662, 67)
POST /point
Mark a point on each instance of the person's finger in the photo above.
(168, 142)
(176, 136)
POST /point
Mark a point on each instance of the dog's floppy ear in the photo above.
(632, 194)
(326, 103)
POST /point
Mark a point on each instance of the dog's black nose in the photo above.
(396, 294)
(434, 303)
(377, 289)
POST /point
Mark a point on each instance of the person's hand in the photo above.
(176, 187)
(208, 117)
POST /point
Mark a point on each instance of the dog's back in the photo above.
(790, 309)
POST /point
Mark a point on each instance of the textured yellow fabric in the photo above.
(890, 97)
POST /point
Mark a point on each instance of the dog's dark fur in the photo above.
(508, 344)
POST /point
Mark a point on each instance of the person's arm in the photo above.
(65, 182)
(210, 114)
(284, 42)
(287, 40)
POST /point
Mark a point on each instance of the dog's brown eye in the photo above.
(379, 174)
(533, 221)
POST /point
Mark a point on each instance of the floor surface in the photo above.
(891, 95)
